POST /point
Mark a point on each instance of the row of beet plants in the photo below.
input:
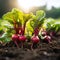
(23, 28)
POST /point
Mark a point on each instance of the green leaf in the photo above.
(18, 15)
(14, 16)
(6, 25)
(52, 25)
(1, 27)
(38, 20)
(57, 25)
(29, 29)
(40, 15)
(4, 38)
(48, 23)
(8, 16)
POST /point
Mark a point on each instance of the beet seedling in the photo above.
(37, 23)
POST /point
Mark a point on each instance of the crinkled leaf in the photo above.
(14, 16)
(18, 15)
(52, 25)
(38, 19)
(40, 15)
(48, 23)
(8, 16)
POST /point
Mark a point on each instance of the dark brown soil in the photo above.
(44, 51)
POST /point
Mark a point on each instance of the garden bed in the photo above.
(50, 51)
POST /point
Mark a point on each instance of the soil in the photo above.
(45, 51)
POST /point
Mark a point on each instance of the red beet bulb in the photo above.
(22, 38)
(15, 37)
(35, 39)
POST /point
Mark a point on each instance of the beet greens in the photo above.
(24, 28)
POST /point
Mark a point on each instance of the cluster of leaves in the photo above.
(16, 21)
(51, 25)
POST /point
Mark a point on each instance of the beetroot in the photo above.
(22, 38)
(47, 38)
(52, 34)
(15, 37)
(35, 39)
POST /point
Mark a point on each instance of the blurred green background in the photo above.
(7, 5)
